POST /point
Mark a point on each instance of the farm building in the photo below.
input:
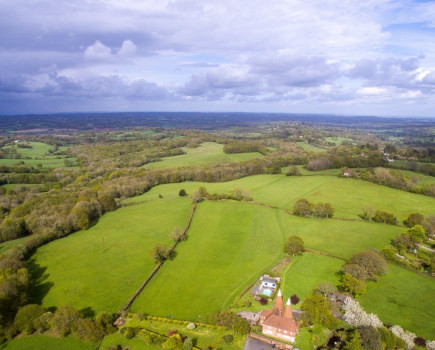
(279, 322)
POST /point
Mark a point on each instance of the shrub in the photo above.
(294, 299)
(385, 217)
(228, 338)
(26, 317)
(263, 301)
(420, 341)
(182, 193)
(413, 219)
(129, 333)
(66, 320)
(191, 325)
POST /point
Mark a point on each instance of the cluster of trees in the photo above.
(392, 179)
(294, 246)
(303, 207)
(347, 156)
(230, 320)
(318, 311)
(245, 147)
(369, 214)
(65, 320)
(406, 249)
(369, 264)
(238, 194)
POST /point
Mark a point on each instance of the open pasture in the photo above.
(405, 298)
(38, 154)
(207, 153)
(347, 196)
(231, 244)
(42, 342)
(100, 268)
(307, 271)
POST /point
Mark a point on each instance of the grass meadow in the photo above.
(47, 343)
(311, 148)
(5, 246)
(100, 268)
(231, 244)
(405, 298)
(207, 153)
(38, 155)
(348, 196)
(307, 271)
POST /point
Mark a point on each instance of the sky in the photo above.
(373, 57)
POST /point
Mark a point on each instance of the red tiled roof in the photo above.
(279, 322)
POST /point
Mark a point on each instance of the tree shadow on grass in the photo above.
(88, 312)
(40, 287)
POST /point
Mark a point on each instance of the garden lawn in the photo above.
(207, 153)
(347, 196)
(47, 343)
(405, 298)
(307, 271)
(100, 268)
(229, 245)
(205, 336)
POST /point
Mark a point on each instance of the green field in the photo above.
(4, 246)
(348, 196)
(47, 343)
(39, 155)
(337, 140)
(422, 179)
(402, 297)
(307, 271)
(311, 148)
(101, 267)
(229, 245)
(241, 241)
(207, 153)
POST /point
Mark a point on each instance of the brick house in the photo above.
(279, 322)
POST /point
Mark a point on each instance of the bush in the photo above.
(228, 338)
(414, 219)
(385, 217)
(182, 193)
(191, 325)
(263, 301)
(323, 210)
(293, 171)
(66, 320)
(294, 299)
(129, 333)
(26, 317)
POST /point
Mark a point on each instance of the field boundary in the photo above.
(157, 268)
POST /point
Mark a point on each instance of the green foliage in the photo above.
(414, 219)
(371, 261)
(293, 171)
(387, 338)
(353, 341)
(88, 330)
(302, 207)
(294, 246)
(385, 217)
(317, 311)
(323, 210)
(356, 271)
(228, 338)
(26, 317)
(182, 193)
(352, 285)
(417, 233)
(66, 320)
(370, 338)
(160, 252)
